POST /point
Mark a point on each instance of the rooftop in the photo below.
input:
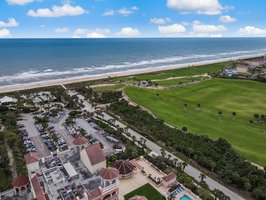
(169, 177)
(31, 157)
(124, 167)
(20, 181)
(109, 173)
(95, 154)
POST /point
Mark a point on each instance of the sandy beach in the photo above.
(19, 87)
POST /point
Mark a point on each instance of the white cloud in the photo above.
(57, 11)
(160, 21)
(206, 28)
(109, 13)
(62, 30)
(128, 32)
(227, 19)
(5, 33)
(172, 29)
(205, 35)
(251, 31)
(206, 7)
(11, 23)
(123, 11)
(96, 33)
(19, 2)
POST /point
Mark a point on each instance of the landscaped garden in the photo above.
(146, 190)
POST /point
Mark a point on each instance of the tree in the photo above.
(163, 153)
(198, 106)
(185, 106)
(234, 115)
(134, 139)
(256, 116)
(220, 113)
(184, 129)
(175, 161)
(169, 156)
(202, 177)
(184, 164)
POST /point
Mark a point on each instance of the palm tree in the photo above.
(171, 197)
(163, 153)
(169, 156)
(202, 177)
(175, 161)
(184, 164)
(134, 139)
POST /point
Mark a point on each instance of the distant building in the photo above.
(7, 100)
(143, 83)
(230, 72)
(93, 158)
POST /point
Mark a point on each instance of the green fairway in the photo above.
(146, 190)
(182, 72)
(109, 87)
(243, 97)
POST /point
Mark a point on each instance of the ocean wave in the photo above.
(48, 74)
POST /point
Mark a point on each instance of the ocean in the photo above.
(37, 60)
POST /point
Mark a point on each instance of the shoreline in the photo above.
(58, 82)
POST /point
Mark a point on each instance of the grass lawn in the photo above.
(173, 82)
(109, 87)
(190, 71)
(240, 96)
(146, 190)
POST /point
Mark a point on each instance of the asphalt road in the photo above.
(157, 149)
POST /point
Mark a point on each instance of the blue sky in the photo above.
(132, 18)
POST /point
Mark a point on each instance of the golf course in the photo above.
(214, 107)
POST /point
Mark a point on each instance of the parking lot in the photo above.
(108, 146)
(34, 135)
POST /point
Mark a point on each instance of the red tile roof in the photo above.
(169, 177)
(109, 173)
(38, 189)
(94, 194)
(20, 181)
(31, 157)
(80, 141)
(138, 198)
(124, 167)
(95, 154)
